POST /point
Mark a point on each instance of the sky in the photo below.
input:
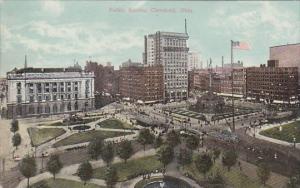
(59, 33)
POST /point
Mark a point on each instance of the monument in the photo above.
(210, 103)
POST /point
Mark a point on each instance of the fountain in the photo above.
(168, 182)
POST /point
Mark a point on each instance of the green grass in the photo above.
(131, 168)
(62, 183)
(233, 178)
(84, 120)
(88, 136)
(114, 124)
(58, 123)
(43, 135)
(287, 134)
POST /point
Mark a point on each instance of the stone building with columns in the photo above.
(48, 91)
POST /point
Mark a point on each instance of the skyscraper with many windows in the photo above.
(170, 50)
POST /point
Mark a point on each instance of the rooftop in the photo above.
(44, 70)
(285, 45)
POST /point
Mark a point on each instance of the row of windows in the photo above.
(47, 109)
(53, 90)
(54, 84)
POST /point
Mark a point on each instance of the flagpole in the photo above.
(233, 125)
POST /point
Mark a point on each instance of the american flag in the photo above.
(240, 45)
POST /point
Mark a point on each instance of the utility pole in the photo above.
(233, 123)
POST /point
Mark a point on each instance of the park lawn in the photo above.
(233, 178)
(131, 168)
(84, 120)
(114, 124)
(57, 123)
(43, 135)
(87, 136)
(63, 183)
(287, 134)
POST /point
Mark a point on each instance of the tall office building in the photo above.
(170, 50)
(194, 61)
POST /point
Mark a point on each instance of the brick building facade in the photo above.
(139, 82)
(272, 83)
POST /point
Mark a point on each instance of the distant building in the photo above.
(287, 56)
(47, 91)
(105, 77)
(170, 50)
(191, 84)
(272, 84)
(3, 88)
(141, 82)
(227, 67)
(239, 82)
(3, 96)
(201, 81)
(194, 61)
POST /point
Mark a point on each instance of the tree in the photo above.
(293, 182)
(27, 167)
(229, 158)
(145, 137)
(216, 154)
(16, 140)
(108, 153)
(185, 156)
(165, 154)
(263, 172)
(94, 148)
(173, 138)
(111, 176)
(216, 179)
(203, 163)
(54, 165)
(125, 150)
(192, 142)
(158, 141)
(14, 126)
(85, 171)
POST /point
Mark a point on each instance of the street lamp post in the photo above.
(294, 140)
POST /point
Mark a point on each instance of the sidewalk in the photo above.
(268, 126)
(68, 171)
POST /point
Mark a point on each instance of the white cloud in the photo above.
(6, 35)
(54, 7)
(265, 19)
(75, 38)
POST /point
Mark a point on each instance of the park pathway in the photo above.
(68, 171)
(257, 134)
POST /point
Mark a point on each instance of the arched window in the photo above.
(47, 109)
(54, 108)
(62, 107)
(39, 109)
(19, 110)
(31, 109)
(69, 106)
(76, 105)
